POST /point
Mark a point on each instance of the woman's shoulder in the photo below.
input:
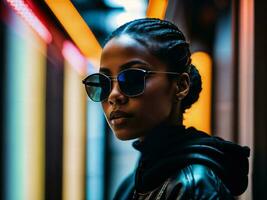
(194, 181)
(197, 181)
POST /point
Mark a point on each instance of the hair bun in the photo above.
(195, 88)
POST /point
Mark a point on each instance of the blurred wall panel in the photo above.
(74, 137)
(95, 152)
(177, 13)
(54, 123)
(246, 82)
(24, 125)
(2, 97)
(224, 81)
(123, 160)
(260, 95)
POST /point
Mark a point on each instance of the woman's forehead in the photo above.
(123, 49)
(123, 45)
(123, 39)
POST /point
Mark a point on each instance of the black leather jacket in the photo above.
(178, 163)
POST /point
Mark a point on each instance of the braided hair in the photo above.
(165, 41)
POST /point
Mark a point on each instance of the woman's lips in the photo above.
(118, 121)
(118, 117)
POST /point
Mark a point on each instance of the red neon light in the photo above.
(28, 15)
(74, 57)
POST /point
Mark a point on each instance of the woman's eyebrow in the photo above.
(131, 63)
(104, 70)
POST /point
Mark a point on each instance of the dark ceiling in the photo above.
(201, 15)
(99, 15)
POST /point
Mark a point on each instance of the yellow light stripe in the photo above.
(157, 9)
(76, 27)
(199, 115)
(74, 135)
(34, 116)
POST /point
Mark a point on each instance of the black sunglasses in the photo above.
(131, 82)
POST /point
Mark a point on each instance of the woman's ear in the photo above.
(182, 87)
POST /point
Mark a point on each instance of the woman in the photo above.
(146, 82)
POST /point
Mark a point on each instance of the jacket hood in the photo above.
(168, 149)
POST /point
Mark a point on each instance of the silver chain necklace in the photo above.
(159, 195)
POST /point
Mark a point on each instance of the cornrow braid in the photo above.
(165, 41)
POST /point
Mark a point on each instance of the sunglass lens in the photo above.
(132, 82)
(97, 87)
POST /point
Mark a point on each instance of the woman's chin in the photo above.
(125, 134)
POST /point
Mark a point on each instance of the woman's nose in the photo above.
(116, 96)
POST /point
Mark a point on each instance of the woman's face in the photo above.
(133, 117)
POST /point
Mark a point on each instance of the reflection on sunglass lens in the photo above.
(132, 82)
(97, 87)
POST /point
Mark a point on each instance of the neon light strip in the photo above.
(28, 15)
(74, 137)
(76, 27)
(199, 115)
(34, 119)
(74, 57)
(157, 8)
(25, 100)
